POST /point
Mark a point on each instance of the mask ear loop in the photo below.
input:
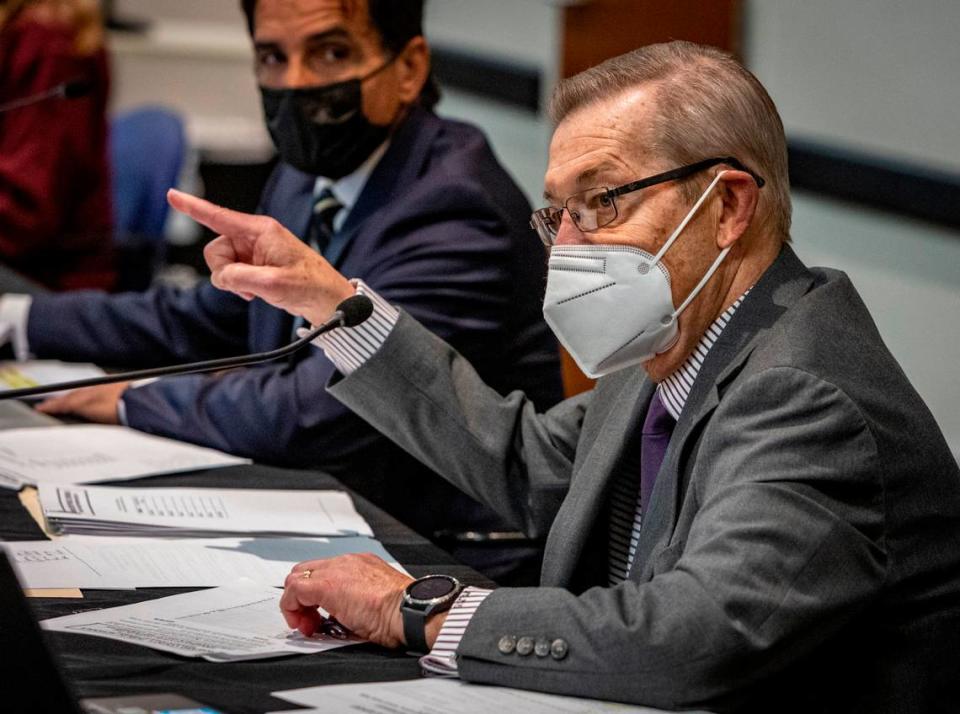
(703, 281)
(716, 263)
(666, 320)
(689, 217)
(378, 70)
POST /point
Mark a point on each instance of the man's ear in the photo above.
(413, 68)
(740, 195)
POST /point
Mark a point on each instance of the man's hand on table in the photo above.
(255, 256)
(97, 404)
(360, 591)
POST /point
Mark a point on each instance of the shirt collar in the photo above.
(347, 189)
(675, 389)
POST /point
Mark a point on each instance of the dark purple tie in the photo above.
(654, 439)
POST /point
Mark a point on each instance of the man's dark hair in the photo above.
(396, 21)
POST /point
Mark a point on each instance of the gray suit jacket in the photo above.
(802, 547)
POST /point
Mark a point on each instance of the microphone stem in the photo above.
(212, 365)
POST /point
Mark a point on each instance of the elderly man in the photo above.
(752, 511)
(414, 205)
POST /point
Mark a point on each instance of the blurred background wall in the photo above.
(877, 79)
(867, 90)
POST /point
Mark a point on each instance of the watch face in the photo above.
(430, 588)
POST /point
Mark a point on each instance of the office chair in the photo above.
(147, 151)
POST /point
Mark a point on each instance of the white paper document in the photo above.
(223, 624)
(47, 564)
(441, 696)
(121, 563)
(84, 453)
(35, 373)
(188, 512)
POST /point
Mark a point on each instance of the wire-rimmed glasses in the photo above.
(597, 207)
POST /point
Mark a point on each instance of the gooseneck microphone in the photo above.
(349, 313)
(71, 89)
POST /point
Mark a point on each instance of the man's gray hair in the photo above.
(707, 105)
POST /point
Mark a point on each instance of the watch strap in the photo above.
(415, 629)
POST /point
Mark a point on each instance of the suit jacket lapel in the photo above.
(292, 204)
(579, 515)
(784, 283)
(401, 164)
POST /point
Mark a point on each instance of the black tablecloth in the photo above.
(98, 667)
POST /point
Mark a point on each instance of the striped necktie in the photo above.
(632, 486)
(326, 206)
(325, 210)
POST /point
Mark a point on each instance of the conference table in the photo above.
(97, 667)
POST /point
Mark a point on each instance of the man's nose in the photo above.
(298, 74)
(568, 233)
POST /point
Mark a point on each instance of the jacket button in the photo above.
(542, 647)
(524, 646)
(507, 644)
(559, 648)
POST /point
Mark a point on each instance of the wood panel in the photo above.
(597, 30)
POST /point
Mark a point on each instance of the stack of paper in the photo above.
(223, 624)
(197, 512)
(85, 453)
(33, 373)
(125, 563)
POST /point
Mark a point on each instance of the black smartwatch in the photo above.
(422, 598)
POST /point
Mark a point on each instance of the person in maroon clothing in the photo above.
(55, 210)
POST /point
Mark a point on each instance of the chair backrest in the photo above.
(147, 150)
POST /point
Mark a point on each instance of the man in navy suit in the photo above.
(412, 205)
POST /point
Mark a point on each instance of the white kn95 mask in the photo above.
(610, 306)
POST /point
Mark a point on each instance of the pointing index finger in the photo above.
(217, 218)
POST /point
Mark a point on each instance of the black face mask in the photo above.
(322, 130)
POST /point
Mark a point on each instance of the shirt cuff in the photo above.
(442, 659)
(14, 312)
(349, 347)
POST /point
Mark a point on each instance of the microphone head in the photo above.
(355, 309)
(76, 88)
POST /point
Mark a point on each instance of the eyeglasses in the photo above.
(597, 207)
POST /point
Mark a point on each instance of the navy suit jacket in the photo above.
(440, 229)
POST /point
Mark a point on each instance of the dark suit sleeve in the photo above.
(161, 326)
(426, 397)
(787, 543)
(449, 267)
(276, 413)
